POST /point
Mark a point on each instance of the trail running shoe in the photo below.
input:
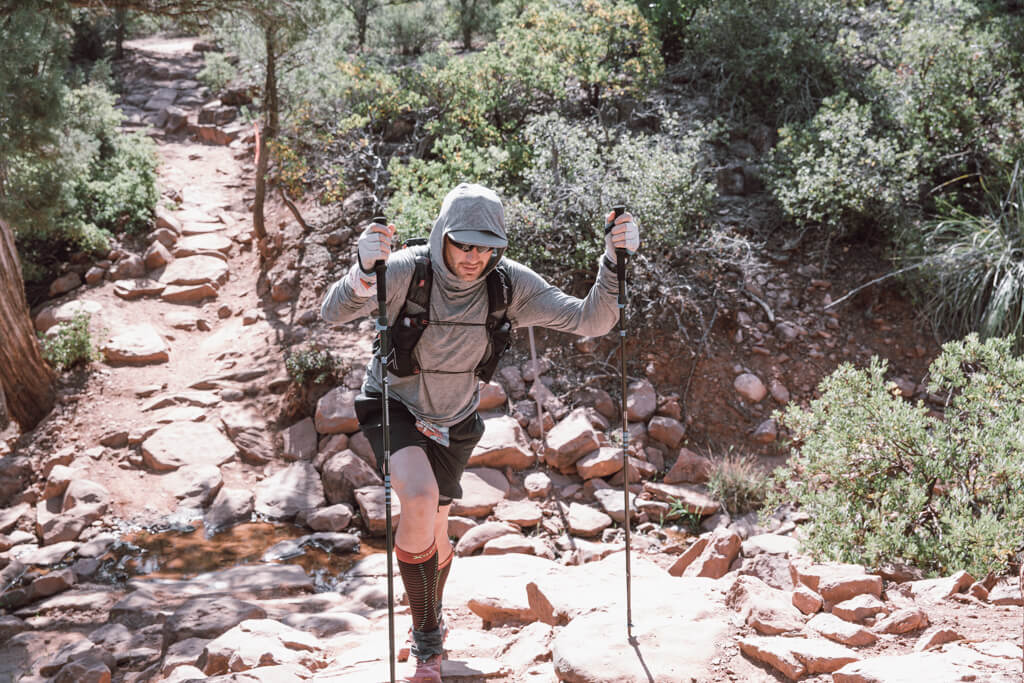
(424, 671)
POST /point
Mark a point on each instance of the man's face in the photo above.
(466, 265)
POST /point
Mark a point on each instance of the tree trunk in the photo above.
(5, 418)
(270, 115)
(25, 378)
(361, 20)
(467, 17)
(120, 27)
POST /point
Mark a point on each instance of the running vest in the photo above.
(415, 316)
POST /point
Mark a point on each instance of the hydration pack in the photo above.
(414, 317)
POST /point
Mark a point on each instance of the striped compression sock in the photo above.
(442, 576)
(419, 574)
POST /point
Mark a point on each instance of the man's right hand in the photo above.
(374, 245)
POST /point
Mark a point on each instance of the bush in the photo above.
(410, 28)
(738, 482)
(769, 58)
(838, 173)
(100, 182)
(952, 91)
(579, 171)
(670, 20)
(71, 345)
(217, 72)
(420, 185)
(886, 481)
(314, 363)
(972, 276)
(603, 48)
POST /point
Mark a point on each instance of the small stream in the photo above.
(183, 551)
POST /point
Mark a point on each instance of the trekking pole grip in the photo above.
(620, 257)
(380, 268)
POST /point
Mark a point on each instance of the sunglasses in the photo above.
(469, 247)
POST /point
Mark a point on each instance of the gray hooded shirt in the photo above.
(445, 391)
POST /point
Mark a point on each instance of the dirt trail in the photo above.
(204, 185)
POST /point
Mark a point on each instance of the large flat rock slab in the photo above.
(558, 598)
(187, 443)
(670, 647)
(194, 244)
(249, 581)
(195, 270)
(952, 663)
(136, 345)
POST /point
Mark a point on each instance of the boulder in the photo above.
(336, 412)
(482, 489)
(571, 439)
(689, 468)
(295, 489)
(345, 472)
(503, 444)
(767, 610)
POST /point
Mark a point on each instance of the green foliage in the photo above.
(218, 71)
(670, 20)
(373, 96)
(972, 274)
(71, 345)
(578, 171)
(605, 49)
(469, 17)
(313, 363)
(952, 90)
(411, 28)
(738, 482)
(420, 185)
(769, 58)
(838, 172)
(31, 65)
(883, 480)
(690, 519)
(98, 182)
(91, 32)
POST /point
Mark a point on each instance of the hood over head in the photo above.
(471, 214)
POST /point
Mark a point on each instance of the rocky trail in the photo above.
(272, 569)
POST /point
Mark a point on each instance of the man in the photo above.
(434, 423)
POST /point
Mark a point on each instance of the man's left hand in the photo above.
(625, 234)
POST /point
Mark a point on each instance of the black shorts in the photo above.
(447, 462)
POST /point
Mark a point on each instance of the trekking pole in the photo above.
(380, 267)
(620, 268)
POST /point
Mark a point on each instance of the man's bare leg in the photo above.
(415, 548)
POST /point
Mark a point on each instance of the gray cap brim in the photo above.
(482, 238)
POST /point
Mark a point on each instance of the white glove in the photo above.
(625, 234)
(374, 245)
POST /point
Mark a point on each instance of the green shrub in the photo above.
(670, 20)
(603, 48)
(99, 182)
(410, 28)
(71, 345)
(884, 480)
(838, 173)
(774, 59)
(314, 364)
(472, 17)
(972, 274)
(420, 185)
(217, 72)
(951, 89)
(738, 482)
(577, 174)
